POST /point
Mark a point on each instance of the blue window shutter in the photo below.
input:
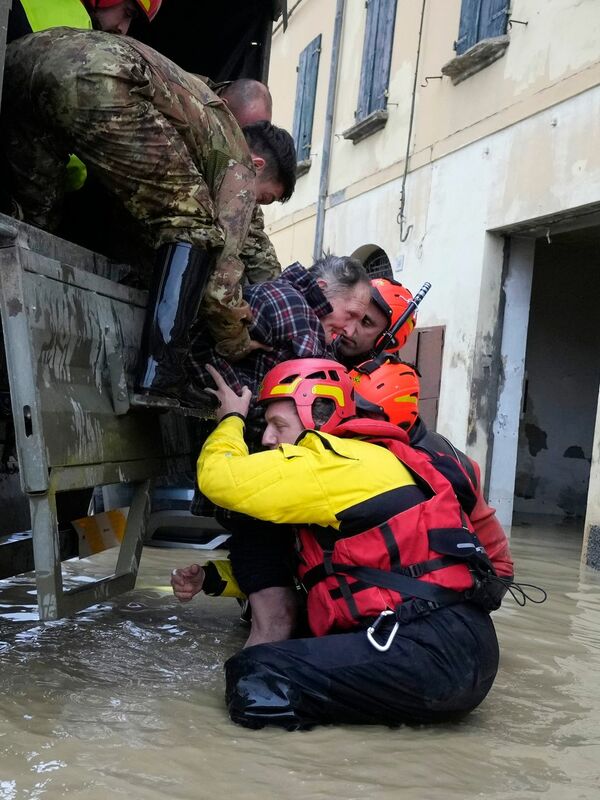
(468, 31)
(494, 18)
(300, 80)
(383, 54)
(368, 59)
(306, 91)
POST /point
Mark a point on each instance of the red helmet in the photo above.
(305, 380)
(389, 386)
(149, 7)
(392, 298)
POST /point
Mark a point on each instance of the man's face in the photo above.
(268, 191)
(368, 330)
(267, 188)
(283, 424)
(349, 307)
(116, 19)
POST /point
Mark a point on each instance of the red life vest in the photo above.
(421, 557)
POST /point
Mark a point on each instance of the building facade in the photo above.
(456, 142)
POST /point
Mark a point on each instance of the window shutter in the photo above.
(468, 32)
(494, 18)
(306, 90)
(300, 80)
(368, 59)
(383, 54)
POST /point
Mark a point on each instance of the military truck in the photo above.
(71, 324)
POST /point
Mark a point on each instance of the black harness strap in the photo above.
(318, 573)
(391, 545)
(367, 577)
(343, 586)
(406, 586)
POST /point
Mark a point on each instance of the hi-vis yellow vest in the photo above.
(42, 14)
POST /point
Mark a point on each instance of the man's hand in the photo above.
(256, 345)
(252, 346)
(229, 401)
(187, 582)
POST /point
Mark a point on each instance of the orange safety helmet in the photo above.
(305, 380)
(149, 7)
(393, 298)
(387, 385)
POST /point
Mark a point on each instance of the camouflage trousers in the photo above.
(98, 103)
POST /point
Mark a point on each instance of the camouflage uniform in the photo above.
(156, 137)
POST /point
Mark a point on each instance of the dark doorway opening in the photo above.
(562, 369)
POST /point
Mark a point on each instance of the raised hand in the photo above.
(229, 401)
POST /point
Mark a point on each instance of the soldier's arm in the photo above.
(226, 312)
(258, 254)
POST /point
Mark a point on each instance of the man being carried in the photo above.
(171, 153)
(294, 316)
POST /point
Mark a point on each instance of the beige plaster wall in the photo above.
(552, 58)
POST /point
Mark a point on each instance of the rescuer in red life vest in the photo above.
(387, 388)
(391, 567)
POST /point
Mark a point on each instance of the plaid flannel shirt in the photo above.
(287, 316)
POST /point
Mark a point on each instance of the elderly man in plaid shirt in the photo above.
(294, 316)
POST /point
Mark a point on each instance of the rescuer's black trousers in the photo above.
(439, 667)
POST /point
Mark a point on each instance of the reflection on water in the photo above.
(125, 700)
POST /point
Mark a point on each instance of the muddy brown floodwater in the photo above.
(126, 700)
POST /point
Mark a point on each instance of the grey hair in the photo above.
(340, 272)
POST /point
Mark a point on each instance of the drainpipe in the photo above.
(328, 134)
(401, 218)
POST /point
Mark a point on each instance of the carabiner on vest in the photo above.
(372, 629)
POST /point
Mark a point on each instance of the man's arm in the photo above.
(258, 254)
(489, 531)
(226, 312)
(277, 486)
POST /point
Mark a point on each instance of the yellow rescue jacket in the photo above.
(311, 482)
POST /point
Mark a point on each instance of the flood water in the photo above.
(126, 700)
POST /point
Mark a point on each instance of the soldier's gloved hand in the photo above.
(229, 401)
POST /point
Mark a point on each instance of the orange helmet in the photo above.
(305, 380)
(392, 298)
(388, 386)
(149, 7)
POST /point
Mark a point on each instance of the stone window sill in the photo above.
(476, 58)
(367, 126)
(302, 167)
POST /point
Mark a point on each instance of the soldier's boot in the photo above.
(181, 274)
